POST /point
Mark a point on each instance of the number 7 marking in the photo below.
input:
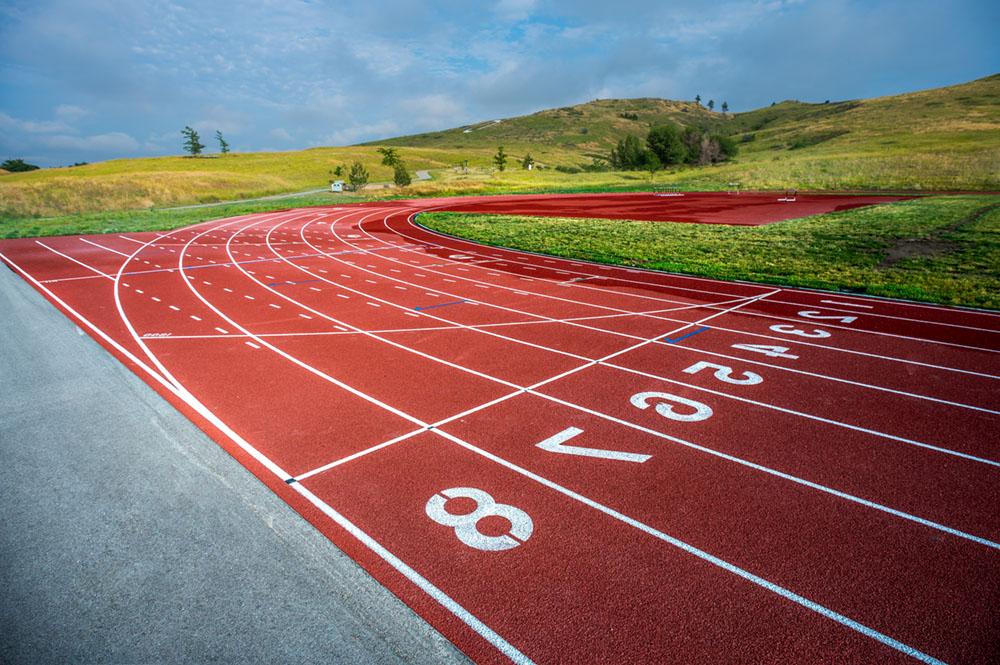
(556, 444)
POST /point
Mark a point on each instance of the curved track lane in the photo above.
(554, 460)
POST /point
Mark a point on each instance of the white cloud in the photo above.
(280, 133)
(69, 113)
(116, 143)
(10, 123)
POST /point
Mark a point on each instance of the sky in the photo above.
(89, 80)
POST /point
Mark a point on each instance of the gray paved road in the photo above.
(128, 536)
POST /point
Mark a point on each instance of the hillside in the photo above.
(940, 139)
(943, 138)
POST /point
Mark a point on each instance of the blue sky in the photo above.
(86, 80)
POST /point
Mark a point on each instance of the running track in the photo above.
(658, 468)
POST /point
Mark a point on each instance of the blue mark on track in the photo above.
(304, 281)
(668, 340)
(444, 304)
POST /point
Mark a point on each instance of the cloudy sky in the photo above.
(85, 80)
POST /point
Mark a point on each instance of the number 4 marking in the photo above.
(767, 350)
(556, 444)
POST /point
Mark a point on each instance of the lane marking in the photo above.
(674, 340)
(444, 304)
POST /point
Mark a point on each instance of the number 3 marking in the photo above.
(792, 330)
(465, 526)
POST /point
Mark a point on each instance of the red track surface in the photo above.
(834, 503)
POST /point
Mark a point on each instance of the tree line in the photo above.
(668, 145)
(193, 145)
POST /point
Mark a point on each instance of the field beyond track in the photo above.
(556, 460)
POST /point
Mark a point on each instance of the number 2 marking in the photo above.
(466, 526)
(556, 444)
(725, 374)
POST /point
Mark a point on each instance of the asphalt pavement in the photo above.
(128, 536)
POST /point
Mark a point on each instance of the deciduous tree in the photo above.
(390, 156)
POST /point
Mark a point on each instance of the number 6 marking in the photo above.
(701, 411)
(465, 526)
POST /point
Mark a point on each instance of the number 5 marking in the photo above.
(556, 444)
(725, 374)
(701, 411)
(828, 317)
(466, 529)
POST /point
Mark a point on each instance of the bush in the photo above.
(567, 169)
(747, 138)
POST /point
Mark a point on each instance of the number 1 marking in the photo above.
(556, 444)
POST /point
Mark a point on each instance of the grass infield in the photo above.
(940, 249)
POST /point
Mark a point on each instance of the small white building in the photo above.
(337, 186)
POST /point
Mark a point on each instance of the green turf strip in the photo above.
(942, 249)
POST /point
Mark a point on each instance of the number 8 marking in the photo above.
(465, 526)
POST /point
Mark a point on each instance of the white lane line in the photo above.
(196, 318)
(174, 307)
(67, 256)
(251, 345)
(222, 330)
(845, 304)
(305, 316)
(107, 249)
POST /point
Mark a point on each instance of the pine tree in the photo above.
(500, 159)
(527, 162)
(192, 142)
(358, 177)
(697, 99)
(711, 104)
(223, 144)
(725, 107)
(400, 176)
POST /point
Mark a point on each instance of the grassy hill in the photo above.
(941, 139)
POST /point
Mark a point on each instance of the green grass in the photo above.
(942, 249)
(125, 221)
